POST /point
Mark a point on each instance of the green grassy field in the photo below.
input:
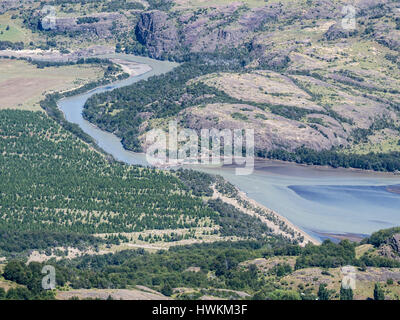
(15, 31)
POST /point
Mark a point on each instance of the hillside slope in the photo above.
(288, 70)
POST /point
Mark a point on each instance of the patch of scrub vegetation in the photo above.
(217, 266)
(239, 116)
(267, 269)
(384, 141)
(15, 241)
(11, 29)
(261, 116)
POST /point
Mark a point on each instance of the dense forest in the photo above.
(56, 190)
(52, 181)
(165, 270)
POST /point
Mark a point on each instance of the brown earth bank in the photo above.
(279, 224)
(336, 237)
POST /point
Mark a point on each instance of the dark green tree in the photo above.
(166, 290)
(2, 294)
(259, 296)
(378, 292)
(323, 293)
(16, 271)
(346, 294)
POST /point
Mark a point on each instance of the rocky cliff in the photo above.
(158, 33)
(391, 248)
(101, 26)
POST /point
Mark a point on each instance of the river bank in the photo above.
(132, 68)
(249, 206)
(317, 200)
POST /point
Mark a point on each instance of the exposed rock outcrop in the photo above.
(102, 25)
(159, 34)
(336, 31)
(391, 248)
(270, 131)
(221, 27)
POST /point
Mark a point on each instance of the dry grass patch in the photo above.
(188, 4)
(361, 250)
(23, 86)
(116, 294)
(265, 265)
(261, 87)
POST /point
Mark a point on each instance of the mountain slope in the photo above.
(288, 70)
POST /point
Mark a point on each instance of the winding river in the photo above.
(324, 202)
